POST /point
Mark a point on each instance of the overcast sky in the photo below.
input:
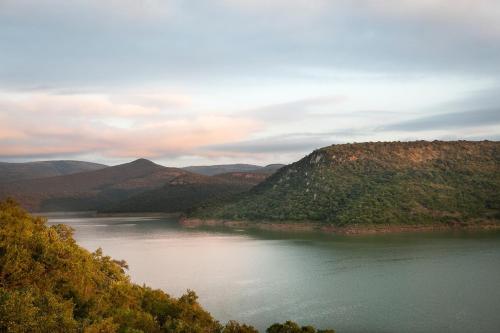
(186, 82)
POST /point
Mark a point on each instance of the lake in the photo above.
(439, 282)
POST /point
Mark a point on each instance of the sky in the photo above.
(193, 82)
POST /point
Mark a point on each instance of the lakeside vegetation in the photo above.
(379, 183)
(48, 283)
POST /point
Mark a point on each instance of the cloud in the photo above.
(476, 16)
(227, 77)
(158, 100)
(89, 43)
(286, 143)
(478, 109)
(423, 127)
(129, 10)
(289, 9)
(74, 105)
(159, 140)
(295, 110)
(481, 15)
(488, 98)
(471, 118)
(63, 125)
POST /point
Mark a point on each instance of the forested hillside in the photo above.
(378, 183)
(187, 192)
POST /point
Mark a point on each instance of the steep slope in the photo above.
(380, 183)
(11, 172)
(89, 190)
(188, 191)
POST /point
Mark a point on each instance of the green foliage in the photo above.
(291, 327)
(378, 183)
(50, 284)
(235, 327)
(174, 198)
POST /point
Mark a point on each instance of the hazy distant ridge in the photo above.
(89, 190)
(211, 170)
(138, 186)
(10, 172)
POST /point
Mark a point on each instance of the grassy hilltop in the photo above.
(378, 183)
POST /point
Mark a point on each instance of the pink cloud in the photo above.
(74, 105)
(79, 124)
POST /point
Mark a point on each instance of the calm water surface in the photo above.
(445, 282)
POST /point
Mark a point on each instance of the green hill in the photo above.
(50, 284)
(378, 183)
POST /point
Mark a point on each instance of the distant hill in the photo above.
(89, 190)
(271, 168)
(10, 172)
(378, 183)
(187, 191)
(250, 178)
(138, 186)
(211, 170)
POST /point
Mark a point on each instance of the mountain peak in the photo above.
(143, 161)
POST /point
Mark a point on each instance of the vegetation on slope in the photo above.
(50, 284)
(248, 178)
(381, 183)
(188, 191)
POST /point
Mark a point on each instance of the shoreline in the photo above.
(290, 226)
(356, 229)
(103, 214)
(145, 214)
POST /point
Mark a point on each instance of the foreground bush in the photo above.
(291, 327)
(50, 284)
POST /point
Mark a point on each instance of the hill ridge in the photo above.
(213, 170)
(89, 190)
(381, 182)
(11, 172)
